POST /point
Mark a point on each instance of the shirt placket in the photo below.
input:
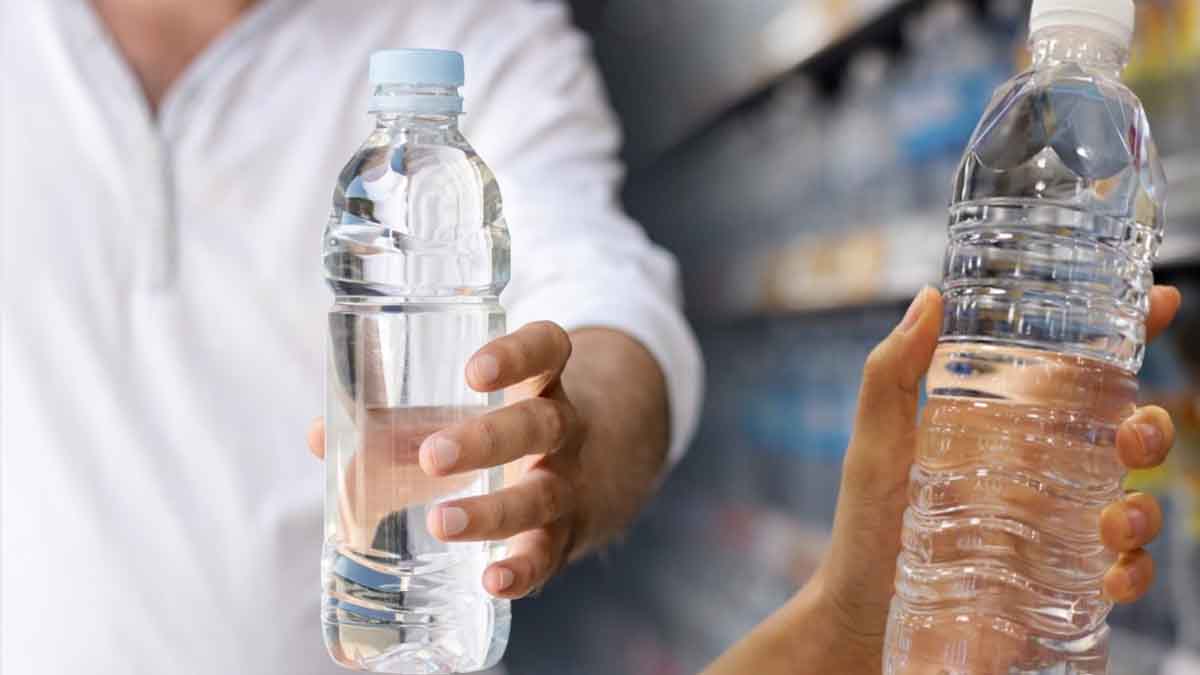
(157, 253)
(141, 153)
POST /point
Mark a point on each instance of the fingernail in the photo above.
(502, 578)
(1151, 439)
(454, 520)
(1138, 523)
(443, 452)
(486, 368)
(913, 313)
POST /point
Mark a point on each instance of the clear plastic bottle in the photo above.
(416, 252)
(1057, 216)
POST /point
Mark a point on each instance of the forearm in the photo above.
(803, 637)
(620, 393)
(781, 645)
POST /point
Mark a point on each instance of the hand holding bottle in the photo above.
(836, 623)
(567, 490)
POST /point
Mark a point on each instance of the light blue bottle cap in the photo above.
(394, 72)
(437, 67)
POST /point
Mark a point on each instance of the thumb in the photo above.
(881, 448)
(859, 568)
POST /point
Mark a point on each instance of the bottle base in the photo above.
(412, 621)
(973, 644)
(345, 648)
(387, 649)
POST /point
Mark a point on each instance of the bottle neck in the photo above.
(426, 128)
(1089, 48)
(435, 102)
(428, 114)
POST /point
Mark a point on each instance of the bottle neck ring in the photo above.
(416, 100)
(1092, 49)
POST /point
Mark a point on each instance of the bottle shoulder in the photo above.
(398, 164)
(1070, 136)
(417, 212)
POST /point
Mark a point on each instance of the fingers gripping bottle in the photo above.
(1056, 219)
(416, 252)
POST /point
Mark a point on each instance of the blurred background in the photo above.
(797, 156)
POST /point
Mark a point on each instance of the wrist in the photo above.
(795, 640)
(859, 649)
(619, 395)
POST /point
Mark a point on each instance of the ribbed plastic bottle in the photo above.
(416, 252)
(1057, 215)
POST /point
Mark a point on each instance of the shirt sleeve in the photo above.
(538, 115)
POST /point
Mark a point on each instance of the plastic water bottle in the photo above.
(1056, 219)
(416, 252)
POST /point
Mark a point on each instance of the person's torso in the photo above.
(162, 336)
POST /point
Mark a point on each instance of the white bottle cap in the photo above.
(1114, 18)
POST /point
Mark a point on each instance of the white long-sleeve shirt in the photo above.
(163, 308)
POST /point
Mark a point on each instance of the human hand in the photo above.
(538, 435)
(843, 609)
(856, 579)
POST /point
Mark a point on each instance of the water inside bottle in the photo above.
(396, 598)
(416, 220)
(1002, 562)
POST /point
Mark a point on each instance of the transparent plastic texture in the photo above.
(417, 253)
(1058, 210)
(416, 213)
(1057, 216)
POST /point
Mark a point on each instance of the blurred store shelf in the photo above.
(705, 61)
(888, 264)
(801, 36)
(1181, 247)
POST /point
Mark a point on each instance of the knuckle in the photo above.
(872, 378)
(517, 508)
(543, 565)
(527, 348)
(554, 423)
(532, 570)
(529, 420)
(562, 342)
(553, 338)
(549, 501)
(541, 556)
(489, 438)
(499, 514)
(875, 363)
(526, 567)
